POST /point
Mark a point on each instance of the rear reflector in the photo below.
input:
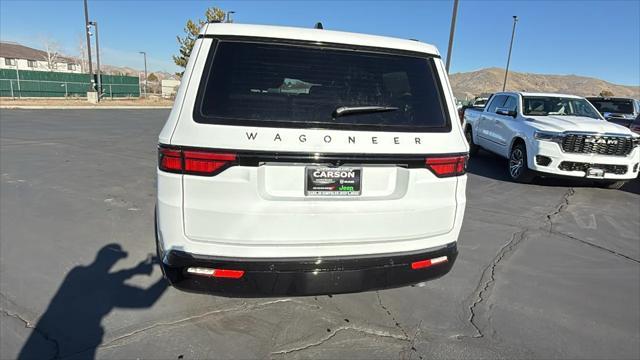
(427, 263)
(218, 273)
(193, 162)
(448, 165)
(231, 274)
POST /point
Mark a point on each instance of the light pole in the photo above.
(228, 19)
(513, 33)
(145, 73)
(95, 25)
(86, 30)
(18, 80)
(452, 32)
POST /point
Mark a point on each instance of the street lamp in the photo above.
(506, 71)
(86, 30)
(18, 80)
(145, 72)
(229, 16)
(95, 26)
(451, 32)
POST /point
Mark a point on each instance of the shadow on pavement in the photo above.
(494, 167)
(632, 187)
(87, 294)
(488, 165)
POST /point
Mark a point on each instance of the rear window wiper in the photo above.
(353, 110)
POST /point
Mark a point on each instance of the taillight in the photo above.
(170, 159)
(206, 163)
(194, 162)
(447, 165)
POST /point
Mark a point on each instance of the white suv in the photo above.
(307, 161)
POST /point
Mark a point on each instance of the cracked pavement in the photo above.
(549, 270)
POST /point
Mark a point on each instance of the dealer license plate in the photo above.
(333, 181)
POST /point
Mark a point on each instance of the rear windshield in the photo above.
(621, 106)
(281, 85)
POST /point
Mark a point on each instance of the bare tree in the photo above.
(82, 50)
(52, 52)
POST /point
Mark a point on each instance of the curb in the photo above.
(80, 107)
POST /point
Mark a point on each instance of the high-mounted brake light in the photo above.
(193, 162)
(448, 165)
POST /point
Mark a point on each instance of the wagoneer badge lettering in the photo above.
(375, 140)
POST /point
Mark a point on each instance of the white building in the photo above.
(13, 55)
(170, 87)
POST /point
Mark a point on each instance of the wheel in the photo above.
(473, 148)
(612, 185)
(518, 169)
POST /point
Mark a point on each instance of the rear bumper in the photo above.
(305, 276)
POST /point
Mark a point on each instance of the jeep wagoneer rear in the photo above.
(307, 161)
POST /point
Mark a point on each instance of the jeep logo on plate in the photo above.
(601, 141)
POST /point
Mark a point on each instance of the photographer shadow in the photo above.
(72, 322)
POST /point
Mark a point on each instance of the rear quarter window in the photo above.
(622, 106)
(300, 86)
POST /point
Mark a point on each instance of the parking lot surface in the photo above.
(549, 270)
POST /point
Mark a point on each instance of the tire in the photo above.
(473, 148)
(517, 165)
(612, 185)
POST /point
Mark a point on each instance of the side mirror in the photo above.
(506, 112)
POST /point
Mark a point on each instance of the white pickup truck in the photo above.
(553, 135)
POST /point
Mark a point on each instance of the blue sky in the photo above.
(590, 38)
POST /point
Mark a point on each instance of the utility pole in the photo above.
(95, 25)
(146, 88)
(452, 32)
(87, 27)
(506, 71)
(18, 80)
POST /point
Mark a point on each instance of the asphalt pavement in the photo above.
(550, 270)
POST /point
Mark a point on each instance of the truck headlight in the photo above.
(547, 136)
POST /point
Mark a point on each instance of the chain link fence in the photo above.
(33, 84)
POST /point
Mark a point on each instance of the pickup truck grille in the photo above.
(597, 144)
(580, 166)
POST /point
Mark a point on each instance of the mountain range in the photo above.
(467, 85)
(124, 70)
